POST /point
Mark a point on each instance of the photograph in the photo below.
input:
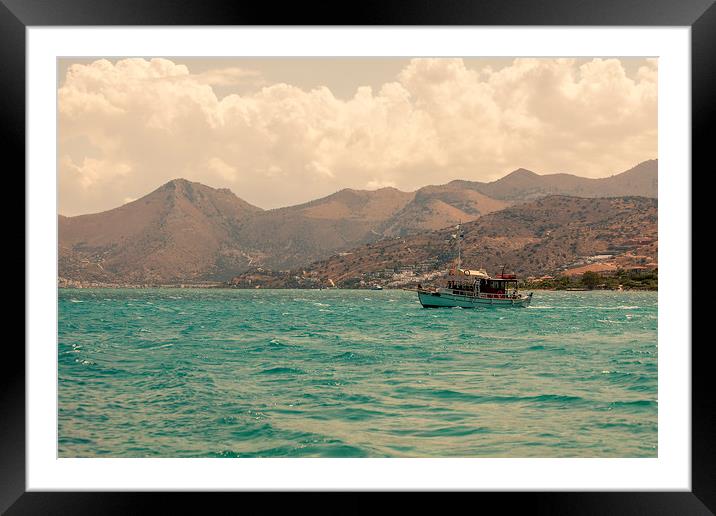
(358, 257)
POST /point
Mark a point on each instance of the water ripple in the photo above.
(243, 373)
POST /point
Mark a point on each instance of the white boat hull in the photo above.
(445, 300)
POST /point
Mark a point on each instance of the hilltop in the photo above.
(525, 185)
(182, 231)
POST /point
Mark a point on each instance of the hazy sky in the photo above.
(280, 131)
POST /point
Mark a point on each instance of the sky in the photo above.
(282, 131)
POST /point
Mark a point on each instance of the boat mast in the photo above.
(459, 243)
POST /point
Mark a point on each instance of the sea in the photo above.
(354, 373)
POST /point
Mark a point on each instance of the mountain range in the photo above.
(185, 232)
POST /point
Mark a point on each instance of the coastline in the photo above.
(223, 286)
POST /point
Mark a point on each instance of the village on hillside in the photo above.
(629, 264)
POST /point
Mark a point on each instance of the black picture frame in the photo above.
(16, 15)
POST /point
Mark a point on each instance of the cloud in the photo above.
(230, 76)
(377, 184)
(92, 172)
(143, 122)
(221, 169)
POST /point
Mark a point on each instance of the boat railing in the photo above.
(484, 295)
(497, 296)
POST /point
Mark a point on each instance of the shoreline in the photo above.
(226, 287)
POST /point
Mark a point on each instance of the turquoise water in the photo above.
(334, 373)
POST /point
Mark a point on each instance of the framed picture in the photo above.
(376, 155)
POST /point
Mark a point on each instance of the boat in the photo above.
(470, 288)
(475, 288)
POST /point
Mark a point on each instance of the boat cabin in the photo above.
(474, 283)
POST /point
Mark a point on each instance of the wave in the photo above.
(452, 431)
(282, 370)
(478, 398)
(170, 344)
(635, 404)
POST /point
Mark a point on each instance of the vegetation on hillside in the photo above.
(541, 237)
(647, 280)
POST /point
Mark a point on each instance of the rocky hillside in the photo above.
(435, 207)
(182, 231)
(531, 238)
(287, 237)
